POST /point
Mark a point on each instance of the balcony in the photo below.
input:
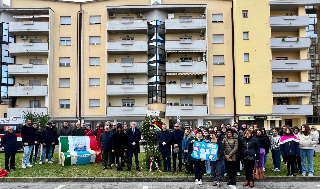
(186, 46)
(28, 91)
(27, 69)
(201, 110)
(127, 26)
(186, 89)
(292, 87)
(29, 28)
(125, 68)
(186, 25)
(127, 111)
(289, 44)
(292, 110)
(127, 47)
(11, 112)
(290, 65)
(288, 23)
(115, 89)
(28, 49)
(180, 67)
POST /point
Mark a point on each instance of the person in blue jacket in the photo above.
(186, 153)
(106, 140)
(165, 141)
(216, 165)
(9, 143)
(177, 136)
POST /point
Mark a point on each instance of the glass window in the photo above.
(94, 103)
(94, 61)
(218, 59)
(128, 102)
(64, 103)
(94, 82)
(95, 19)
(64, 82)
(64, 61)
(217, 17)
(218, 38)
(218, 80)
(65, 20)
(65, 41)
(95, 40)
(247, 100)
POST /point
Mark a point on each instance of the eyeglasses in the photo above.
(176, 126)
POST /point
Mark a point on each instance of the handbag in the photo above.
(258, 173)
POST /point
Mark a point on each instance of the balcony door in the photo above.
(34, 82)
(35, 103)
(186, 101)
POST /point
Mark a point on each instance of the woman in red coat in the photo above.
(100, 131)
(89, 131)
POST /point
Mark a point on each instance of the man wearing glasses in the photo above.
(9, 143)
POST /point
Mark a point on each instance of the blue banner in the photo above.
(205, 151)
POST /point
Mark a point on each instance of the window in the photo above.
(247, 100)
(95, 19)
(127, 81)
(35, 104)
(185, 59)
(94, 82)
(35, 61)
(217, 17)
(94, 103)
(246, 57)
(127, 40)
(218, 59)
(65, 20)
(244, 13)
(186, 101)
(94, 61)
(218, 80)
(281, 58)
(127, 60)
(247, 79)
(281, 80)
(64, 103)
(95, 40)
(128, 102)
(219, 38)
(186, 40)
(282, 101)
(219, 102)
(64, 61)
(65, 41)
(245, 35)
(64, 82)
(186, 80)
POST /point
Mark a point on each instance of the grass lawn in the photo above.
(95, 169)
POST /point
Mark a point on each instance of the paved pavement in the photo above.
(155, 185)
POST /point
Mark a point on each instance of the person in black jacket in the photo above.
(264, 144)
(65, 130)
(133, 146)
(28, 140)
(119, 146)
(106, 140)
(48, 139)
(216, 165)
(9, 143)
(250, 153)
(36, 146)
(53, 125)
(177, 136)
(165, 140)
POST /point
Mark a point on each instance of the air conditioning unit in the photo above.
(24, 37)
(139, 15)
(112, 15)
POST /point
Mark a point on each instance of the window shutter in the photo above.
(186, 80)
(94, 82)
(246, 57)
(65, 82)
(218, 59)
(95, 19)
(127, 80)
(65, 20)
(94, 40)
(218, 38)
(94, 103)
(247, 100)
(218, 80)
(94, 61)
(217, 18)
(65, 60)
(186, 101)
(127, 60)
(219, 102)
(64, 101)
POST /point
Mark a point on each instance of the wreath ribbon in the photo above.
(153, 161)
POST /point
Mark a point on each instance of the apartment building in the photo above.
(211, 62)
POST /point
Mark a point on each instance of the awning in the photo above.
(187, 73)
(292, 95)
(186, 51)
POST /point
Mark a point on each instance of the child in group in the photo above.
(207, 163)
(216, 165)
(198, 164)
(275, 149)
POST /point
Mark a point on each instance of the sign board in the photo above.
(153, 112)
(205, 151)
(275, 118)
(246, 117)
(260, 117)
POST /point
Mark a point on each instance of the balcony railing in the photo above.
(28, 91)
(283, 22)
(127, 89)
(127, 111)
(127, 47)
(186, 45)
(28, 26)
(193, 110)
(290, 65)
(28, 48)
(129, 26)
(294, 43)
(192, 24)
(13, 112)
(187, 88)
(180, 67)
(292, 87)
(292, 109)
(28, 69)
(133, 68)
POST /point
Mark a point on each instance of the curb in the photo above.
(149, 179)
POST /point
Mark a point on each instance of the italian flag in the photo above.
(78, 150)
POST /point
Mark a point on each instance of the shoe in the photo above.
(303, 174)
(8, 170)
(13, 169)
(246, 183)
(219, 184)
(174, 170)
(29, 165)
(264, 169)
(310, 175)
(285, 163)
(104, 168)
(276, 169)
(294, 175)
(50, 162)
(40, 162)
(112, 164)
(23, 167)
(128, 169)
(52, 159)
(200, 182)
(46, 160)
(214, 183)
(272, 169)
(138, 170)
(196, 182)
(35, 162)
(164, 170)
(238, 173)
(226, 174)
(251, 184)
(109, 167)
(288, 174)
(180, 170)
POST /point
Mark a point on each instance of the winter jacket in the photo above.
(38, 136)
(250, 148)
(289, 145)
(230, 145)
(315, 135)
(28, 135)
(9, 142)
(177, 136)
(264, 142)
(133, 137)
(106, 139)
(49, 136)
(220, 148)
(190, 148)
(185, 144)
(275, 142)
(306, 142)
(78, 132)
(65, 131)
(88, 132)
(55, 130)
(119, 143)
(99, 132)
(165, 136)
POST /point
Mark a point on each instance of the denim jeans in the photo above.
(208, 167)
(216, 170)
(265, 160)
(276, 158)
(27, 154)
(307, 154)
(44, 150)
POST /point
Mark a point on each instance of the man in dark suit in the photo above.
(165, 140)
(133, 147)
(177, 136)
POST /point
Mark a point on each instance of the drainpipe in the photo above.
(233, 68)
